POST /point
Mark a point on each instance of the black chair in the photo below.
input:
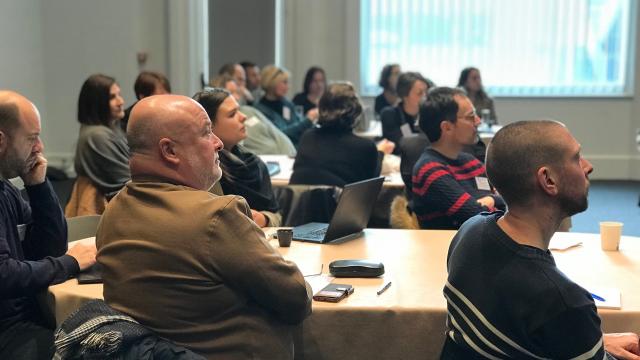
(301, 204)
(61, 183)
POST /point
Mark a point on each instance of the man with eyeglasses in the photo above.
(448, 185)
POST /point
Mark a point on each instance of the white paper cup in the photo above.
(610, 232)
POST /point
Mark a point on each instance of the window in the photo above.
(522, 47)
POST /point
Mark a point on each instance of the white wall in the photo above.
(327, 32)
(21, 43)
(85, 37)
(50, 47)
(237, 34)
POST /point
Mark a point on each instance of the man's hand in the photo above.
(259, 218)
(623, 346)
(35, 170)
(85, 255)
(385, 146)
(487, 201)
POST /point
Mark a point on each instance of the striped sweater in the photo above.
(510, 301)
(445, 193)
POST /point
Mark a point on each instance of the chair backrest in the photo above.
(301, 204)
(85, 199)
(81, 227)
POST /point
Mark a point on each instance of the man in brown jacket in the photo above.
(190, 265)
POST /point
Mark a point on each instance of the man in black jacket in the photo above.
(33, 236)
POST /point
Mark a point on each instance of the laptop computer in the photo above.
(351, 216)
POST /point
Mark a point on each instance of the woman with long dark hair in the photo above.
(471, 81)
(315, 83)
(102, 153)
(243, 173)
(388, 79)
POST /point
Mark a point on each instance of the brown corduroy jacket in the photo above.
(194, 268)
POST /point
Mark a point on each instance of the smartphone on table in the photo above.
(333, 293)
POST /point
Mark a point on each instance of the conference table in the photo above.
(393, 180)
(407, 321)
(374, 131)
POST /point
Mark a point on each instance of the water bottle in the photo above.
(485, 115)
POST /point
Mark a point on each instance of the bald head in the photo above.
(170, 137)
(20, 144)
(160, 116)
(516, 153)
(13, 107)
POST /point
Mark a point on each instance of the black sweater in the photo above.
(393, 119)
(510, 301)
(339, 154)
(38, 261)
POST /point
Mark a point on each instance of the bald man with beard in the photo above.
(190, 265)
(33, 235)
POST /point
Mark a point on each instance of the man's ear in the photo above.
(4, 142)
(547, 179)
(445, 126)
(168, 151)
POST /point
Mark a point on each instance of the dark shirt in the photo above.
(125, 120)
(301, 99)
(445, 190)
(341, 154)
(31, 265)
(282, 114)
(393, 121)
(380, 103)
(245, 174)
(511, 301)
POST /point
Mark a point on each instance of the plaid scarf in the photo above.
(96, 331)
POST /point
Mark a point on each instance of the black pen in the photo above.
(384, 288)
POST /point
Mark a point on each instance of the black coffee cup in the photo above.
(284, 237)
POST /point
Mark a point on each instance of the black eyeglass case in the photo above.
(356, 268)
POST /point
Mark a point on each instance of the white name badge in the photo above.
(406, 130)
(251, 122)
(286, 113)
(22, 231)
(483, 183)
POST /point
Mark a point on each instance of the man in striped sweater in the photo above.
(449, 186)
(506, 299)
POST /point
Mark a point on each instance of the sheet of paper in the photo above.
(563, 244)
(319, 281)
(612, 298)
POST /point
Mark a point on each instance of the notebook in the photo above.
(606, 298)
(350, 218)
(92, 275)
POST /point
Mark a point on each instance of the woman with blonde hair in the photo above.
(280, 110)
